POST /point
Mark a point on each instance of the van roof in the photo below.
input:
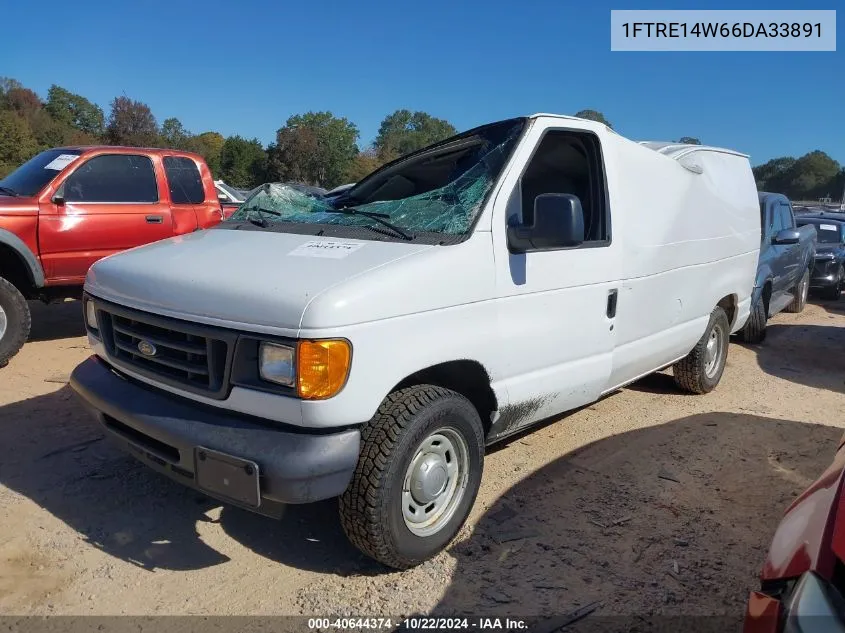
(676, 150)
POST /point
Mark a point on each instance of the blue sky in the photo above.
(244, 67)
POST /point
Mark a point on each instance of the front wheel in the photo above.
(417, 477)
(701, 370)
(15, 321)
(801, 291)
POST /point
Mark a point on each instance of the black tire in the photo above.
(17, 321)
(754, 330)
(691, 372)
(371, 508)
(800, 293)
(832, 293)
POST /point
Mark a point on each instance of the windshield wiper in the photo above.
(11, 192)
(378, 217)
(260, 220)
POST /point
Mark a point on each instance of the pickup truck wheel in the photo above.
(420, 467)
(832, 293)
(15, 321)
(701, 370)
(801, 291)
(754, 330)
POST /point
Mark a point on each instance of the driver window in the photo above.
(568, 162)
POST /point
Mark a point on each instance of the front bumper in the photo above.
(164, 431)
(824, 273)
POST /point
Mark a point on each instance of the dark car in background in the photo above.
(828, 275)
(783, 271)
(802, 582)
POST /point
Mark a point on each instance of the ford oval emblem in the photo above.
(147, 348)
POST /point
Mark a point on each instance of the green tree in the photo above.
(47, 131)
(769, 175)
(314, 148)
(243, 163)
(689, 140)
(593, 115)
(811, 175)
(363, 164)
(174, 134)
(132, 123)
(209, 145)
(17, 144)
(74, 111)
(404, 132)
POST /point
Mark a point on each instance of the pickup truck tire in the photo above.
(701, 370)
(754, 330)
(423, 439)
(832, 293)
(801, 291)
(15, 321)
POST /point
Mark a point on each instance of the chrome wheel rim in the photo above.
(713, 351)
(805, 287)
(4, 323)
(435, 482)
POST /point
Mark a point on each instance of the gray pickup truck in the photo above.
(787, 253)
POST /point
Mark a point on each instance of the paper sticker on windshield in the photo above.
(827, 227)
(61, 161)
(325, 248)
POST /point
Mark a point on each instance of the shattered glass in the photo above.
(449, 209)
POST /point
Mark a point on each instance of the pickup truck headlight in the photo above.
(276, 364)
(91, 316)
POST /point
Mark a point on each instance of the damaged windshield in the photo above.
(439, 189)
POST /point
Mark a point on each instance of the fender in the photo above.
(36, 272)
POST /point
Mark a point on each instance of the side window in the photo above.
(777, 219)
(569, 162)
(118, 178)
(786, 216)
(184, 180)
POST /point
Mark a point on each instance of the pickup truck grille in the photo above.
(177, 353)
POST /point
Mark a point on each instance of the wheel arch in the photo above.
(18, 257)
(467, 377)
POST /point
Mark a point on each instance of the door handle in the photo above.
(612, 297)
(154, 219)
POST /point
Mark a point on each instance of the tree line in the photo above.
(315, 148)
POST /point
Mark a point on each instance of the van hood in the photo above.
(253, 280)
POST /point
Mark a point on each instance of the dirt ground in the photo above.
(648, 502)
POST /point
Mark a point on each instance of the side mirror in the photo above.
(222, 197)
(59, 200)
(558, 223)
(787, 236)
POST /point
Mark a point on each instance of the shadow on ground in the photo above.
(53, 452)
(56, 320)
(669, 520)
(810, 355)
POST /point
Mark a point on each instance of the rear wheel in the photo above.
(701, 370)
(754, 330)
(14, 321)
(801, 290)
(417, 476)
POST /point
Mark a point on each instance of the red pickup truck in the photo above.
(68, 207)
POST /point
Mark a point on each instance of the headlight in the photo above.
(322, 368)
(276, 364)
(318, 369)
(91, 315)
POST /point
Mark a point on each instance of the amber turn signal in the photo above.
(322, 368)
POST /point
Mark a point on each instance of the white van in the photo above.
(370, 346)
